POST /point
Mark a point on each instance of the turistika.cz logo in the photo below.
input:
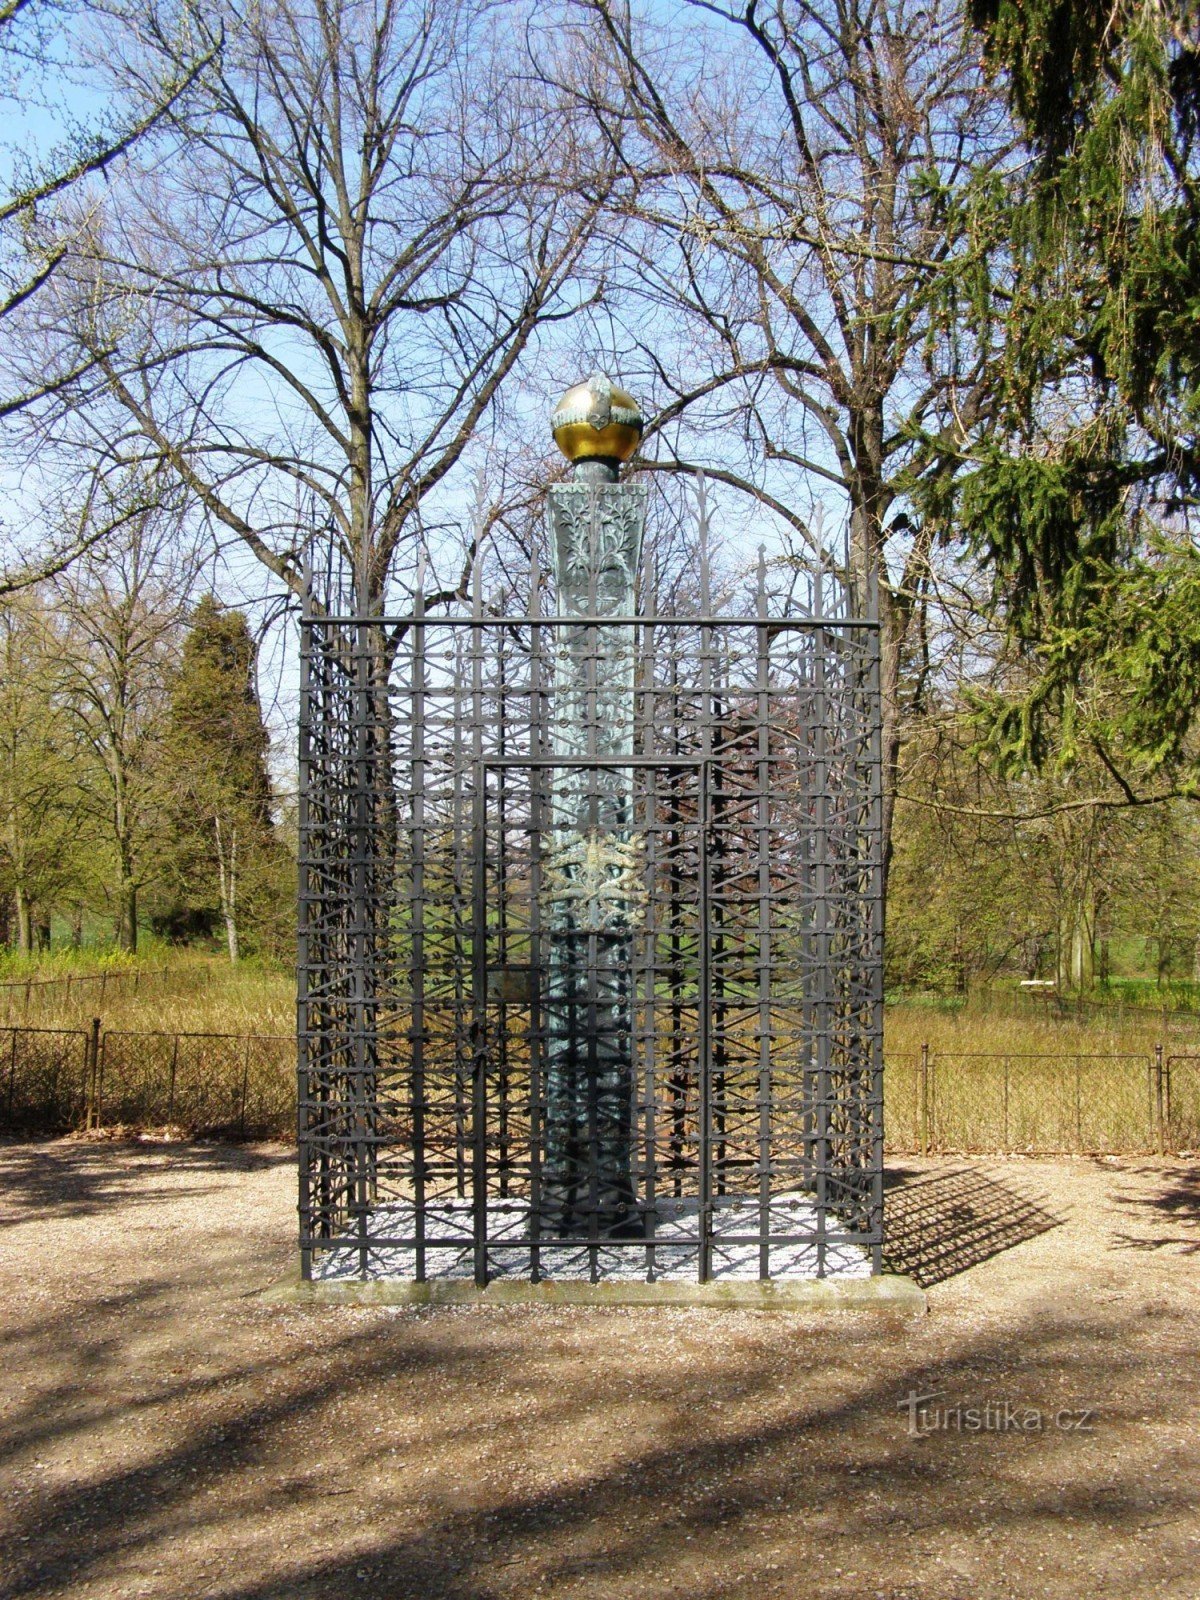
(926, 1416)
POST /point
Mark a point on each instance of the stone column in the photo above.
(592, 870)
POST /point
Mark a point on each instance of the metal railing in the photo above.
(1043, 1104)
(59, 1080)
(56, 1080)
(21, 996)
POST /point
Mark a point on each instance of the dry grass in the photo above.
(194, 995)
(201, 994)
(985, 1096)
(1025, 1032)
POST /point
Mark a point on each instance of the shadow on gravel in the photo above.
(300, 1451)
(75, 1178)
(937, 1225)
(1175, 1206)
(320, 1454)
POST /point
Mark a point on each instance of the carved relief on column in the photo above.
(592, 876)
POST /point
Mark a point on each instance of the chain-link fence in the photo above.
(236, 1085)
(950, 1101)
(55, 1080)
(46, 1076)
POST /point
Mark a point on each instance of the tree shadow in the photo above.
(937, 1225)
(707, 1503)
(1176, 1204)
(75, 1178)
(308, 1453)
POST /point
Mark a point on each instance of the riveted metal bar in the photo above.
(417, 905)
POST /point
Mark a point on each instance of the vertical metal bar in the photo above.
(592, 1070)
(306, 1087)
(479, 1106)
(876, 914)
(923, 1102)
(503, 889)
(463, 1062)
(1160, 1120)
(705, 821)
(479, 945)
(649, 728)
(718, 891)
(763, 843)
(678, 1079)
(12, 1082)
(537, 750)
(362, 1085)
(822, 939)
(704, 1041)
(416, 984)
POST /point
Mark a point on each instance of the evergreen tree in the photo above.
(1083, 496)
(227, 867)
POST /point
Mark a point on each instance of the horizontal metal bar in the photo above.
(620, 763)
(617, 620)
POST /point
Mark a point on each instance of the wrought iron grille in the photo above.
(643, 1044)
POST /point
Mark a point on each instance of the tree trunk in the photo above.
(227, 884)
(125, 929)
(24, 921)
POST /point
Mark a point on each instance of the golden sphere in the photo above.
(597, 418)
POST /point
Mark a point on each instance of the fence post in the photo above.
(923, 1101)
(89, 1075)
(94, 1047)
(1159, 1118)
(1008, 1066)
(171, 1089)
(12, 1078)
(245, 1085)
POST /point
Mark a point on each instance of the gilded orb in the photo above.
(596, 419)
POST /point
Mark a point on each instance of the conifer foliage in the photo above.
(225, 861)
(1086, 288)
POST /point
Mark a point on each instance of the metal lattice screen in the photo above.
(652, 1040)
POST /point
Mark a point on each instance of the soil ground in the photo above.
(164, 1433)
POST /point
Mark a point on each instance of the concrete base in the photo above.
(890, 1292)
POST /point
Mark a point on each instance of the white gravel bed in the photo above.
(676, 1252)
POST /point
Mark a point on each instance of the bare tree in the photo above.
(31, 253)
(353, 231)
(795, 176)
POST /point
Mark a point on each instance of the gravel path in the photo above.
(163, 1433)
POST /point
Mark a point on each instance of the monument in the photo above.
(593, 872)
(590, 920)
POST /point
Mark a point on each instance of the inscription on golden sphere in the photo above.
(597, 419)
